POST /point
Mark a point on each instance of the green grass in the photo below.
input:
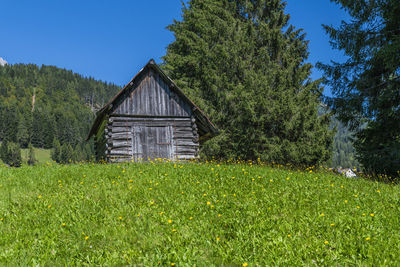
(186, 214)
(41, 155)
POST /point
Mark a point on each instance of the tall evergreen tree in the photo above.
(31, 156)
(4, 151)
(23, 133)
(367, 86)
(244, 64)
(56, 151)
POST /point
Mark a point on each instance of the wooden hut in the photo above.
(150, 118)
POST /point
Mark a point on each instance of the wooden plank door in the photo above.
(137, 143)
(151, 142)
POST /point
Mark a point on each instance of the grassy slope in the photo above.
(194, 214)
(41, 155)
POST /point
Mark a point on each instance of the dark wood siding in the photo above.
(151, 96)
(143, 138)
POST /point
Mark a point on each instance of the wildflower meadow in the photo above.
(186, 214)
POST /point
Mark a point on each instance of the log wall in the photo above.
(148, 137)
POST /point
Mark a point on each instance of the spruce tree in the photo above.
(366, 86)
(31, 155)
(67, 154)
(4, 151)
(56, 151)
(23, 136)
(244, 64)
(11, 154)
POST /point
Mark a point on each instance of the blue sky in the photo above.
(112, 40)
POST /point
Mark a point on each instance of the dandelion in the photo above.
(63, 224)
(172, 264)
(355, 196)
(169, 221)
(332, 224)
(49, 206)
(368, 238)
(191, 218)
(120, 217)
(363, 214)
(378, 191)
(245, 264)
(219, 215)
(288, 235)
(208, 203)
(173, 230)
(372, 215)
(218, 238)
(86, 237)
(345, 201)
(322, 215)
(39, 196)
(326, 242)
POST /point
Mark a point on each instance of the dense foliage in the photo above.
(244, 64)
(10, 153)
(367, 85)
(343, 151)
(194, 214)
(39, 105)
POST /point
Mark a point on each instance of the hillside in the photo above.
(41, 104)
(160, 214)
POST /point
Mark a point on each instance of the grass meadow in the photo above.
(186, 214)
(41, 155)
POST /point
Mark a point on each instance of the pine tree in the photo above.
(56, 151)
(366, 87)
(31, 156)
(67, 154)
(23, 136)
(11, 154)
(243, 64)
(4, 151)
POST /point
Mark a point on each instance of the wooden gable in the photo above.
(151, 95)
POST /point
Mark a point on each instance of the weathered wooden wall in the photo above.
(151, 96)
(140, 138)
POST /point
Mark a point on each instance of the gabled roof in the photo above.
(206, 127)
